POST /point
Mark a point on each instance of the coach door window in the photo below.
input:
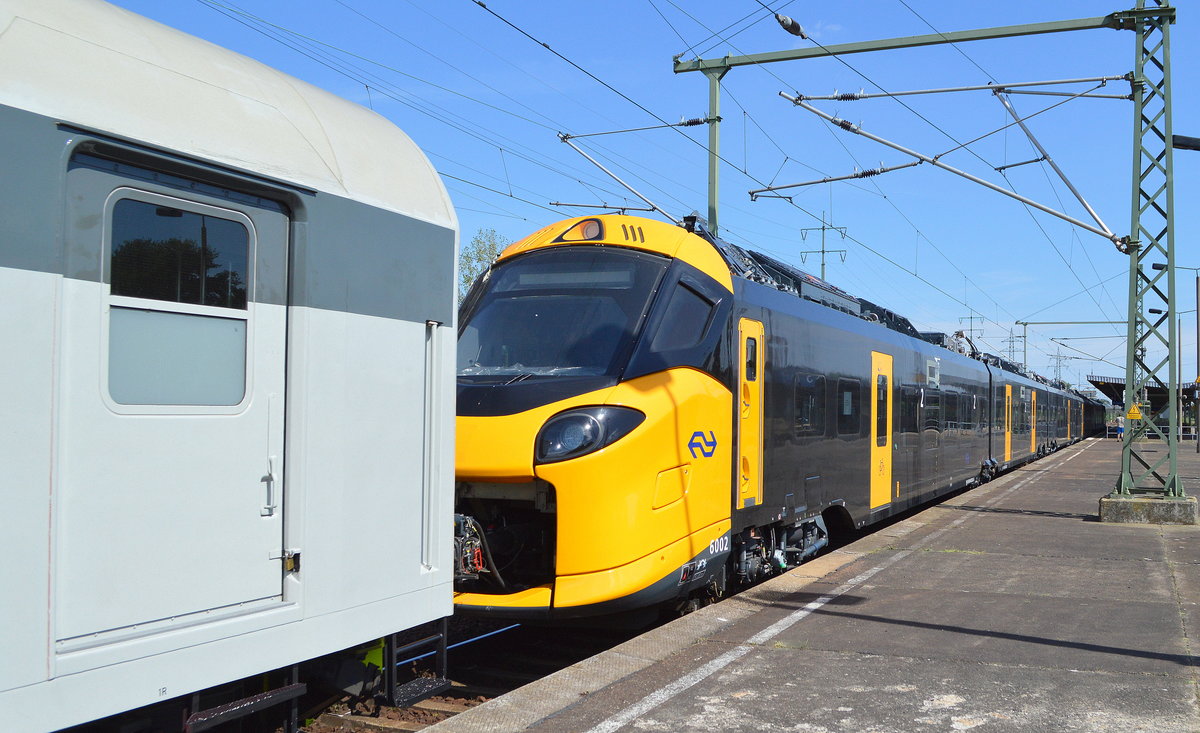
(751, 360)
(178, 318)
(881, 405)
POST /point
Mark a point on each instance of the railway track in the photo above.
(487, 661)
(482, 667)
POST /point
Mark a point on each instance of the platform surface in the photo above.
(1008, 607)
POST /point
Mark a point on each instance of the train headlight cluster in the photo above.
(581, 431)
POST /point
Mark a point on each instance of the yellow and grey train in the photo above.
(650, 415)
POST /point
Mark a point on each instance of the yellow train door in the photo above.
(881, 426)
(752, 353)
(1007, 423)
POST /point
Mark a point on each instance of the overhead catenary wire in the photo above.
(322, 56)
(228, 8)
(603, 83)
(934, 160)
(934, 125)
(891, 203)
(1018, 120)
(514, 178)
(1074, 232)
(655, 116)
(848, 65)
(590, 75)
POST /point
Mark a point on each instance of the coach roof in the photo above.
(100, 67)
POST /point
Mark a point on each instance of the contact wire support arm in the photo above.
(1002, 96)
(567, 139)
(851, 127)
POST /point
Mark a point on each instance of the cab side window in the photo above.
(688, 313)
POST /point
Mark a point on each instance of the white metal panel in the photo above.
(28, 303)
(357, 404)
(103, 691)
(159, 515)
(98, 66)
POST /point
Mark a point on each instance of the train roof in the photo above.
(766, 270)
(93, 65)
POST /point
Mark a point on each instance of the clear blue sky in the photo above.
(485, 102)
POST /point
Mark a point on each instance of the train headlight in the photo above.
(581, 431)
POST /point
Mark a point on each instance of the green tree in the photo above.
(477, 256)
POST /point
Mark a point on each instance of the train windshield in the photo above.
(563, 311)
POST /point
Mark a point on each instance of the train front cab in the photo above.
(593, 467)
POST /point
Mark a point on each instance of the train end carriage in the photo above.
(219, 335)
(648, 414)
(1031, 416)
(594, 430)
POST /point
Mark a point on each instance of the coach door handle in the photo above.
(268, 509)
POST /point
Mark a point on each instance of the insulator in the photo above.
(790, 25)
(693, 122)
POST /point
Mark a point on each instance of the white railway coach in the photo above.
(226, 401)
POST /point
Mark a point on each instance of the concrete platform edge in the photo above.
(1149, 510)
(538, 700)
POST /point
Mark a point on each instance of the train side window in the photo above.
(810, 405)
(751, 359)
(178, 317)
(849, 412)
(932, 419)
(881, 410)
(687, 314)
(909, 404)
(951, 416)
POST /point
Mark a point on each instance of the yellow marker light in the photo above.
(588, 229)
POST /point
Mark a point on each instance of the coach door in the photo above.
(1007, 423)
(881, 429)
(750, 412)
(1033, 418)
(169, 504)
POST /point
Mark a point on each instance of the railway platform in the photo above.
(1008, 607)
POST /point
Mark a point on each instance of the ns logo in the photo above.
(706, 446)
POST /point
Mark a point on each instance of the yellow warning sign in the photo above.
(1134, 413)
